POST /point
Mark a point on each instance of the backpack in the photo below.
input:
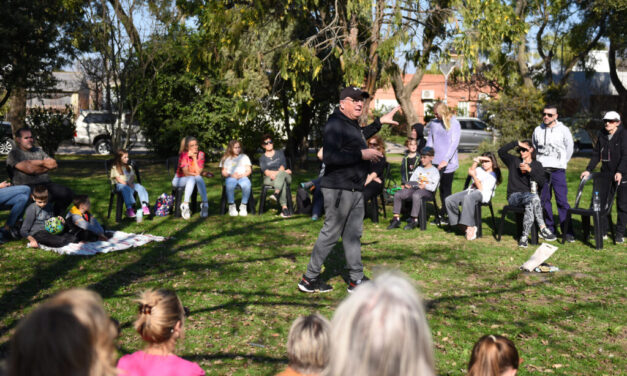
(163, 205)
(303, 201)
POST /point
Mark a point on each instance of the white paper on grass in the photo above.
(541, 254)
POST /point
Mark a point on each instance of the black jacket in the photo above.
(612, 153)
(343, 142)
(517, 181)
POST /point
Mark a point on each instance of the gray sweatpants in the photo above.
(346, 221)
(415, 195)
(467, 200)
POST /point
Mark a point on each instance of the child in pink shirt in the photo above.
(160, 324)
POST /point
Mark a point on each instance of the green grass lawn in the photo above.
(238, 277)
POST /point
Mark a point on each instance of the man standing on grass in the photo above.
(346, 158)
(30, 167)
(554, 147)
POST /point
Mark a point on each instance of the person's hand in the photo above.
(524, 168)
(236, 175)
(61, 219)
(378, 180)
(371, 155)
(584, 175)
(408, 186)
(5, 184)
(618, 177)
(472, 172)
(103, 237)
(49, 163)
(442, 165)
(288, 171)
(422, 185)
(207, 174)
(520, 144)
(389, 117)
(33, 243)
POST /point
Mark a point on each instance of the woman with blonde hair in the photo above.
(160, 324)
(381, 330)
(374, 180)
(189, 174)
(493, 355)
(70, 334)
(444, 133)
(308, 346)
(236, 169)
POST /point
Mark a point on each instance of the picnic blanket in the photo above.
(118, 241)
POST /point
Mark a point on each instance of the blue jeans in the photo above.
(14, 197)
(244, 184)
(189, 182)
(127, 193)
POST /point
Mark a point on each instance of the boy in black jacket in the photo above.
(523, 171)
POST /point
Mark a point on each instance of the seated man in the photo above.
(422, 183)
(14, 197)
(30, 167)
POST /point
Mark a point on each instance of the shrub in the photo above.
(51, 127)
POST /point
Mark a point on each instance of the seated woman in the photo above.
(422, 183)
(522, 171)
(123, 176)
(14, 197)
(189, 174)
(493, 355)
(410, 160)
(374, 179)
(275, 173)
(160, 324)
(236, 168)
(484, 179)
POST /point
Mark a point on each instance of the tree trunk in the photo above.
(521, 54)
(613, 75)
(403, 95)
(17, 110)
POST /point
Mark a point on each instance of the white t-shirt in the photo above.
(237, 164)
(488, 182)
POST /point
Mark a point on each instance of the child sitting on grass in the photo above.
(81, 222)
(35, 217)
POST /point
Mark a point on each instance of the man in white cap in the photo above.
(611, 151)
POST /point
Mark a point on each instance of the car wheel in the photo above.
(6, 146)
(103, 146)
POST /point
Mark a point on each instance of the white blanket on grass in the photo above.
(118, 241)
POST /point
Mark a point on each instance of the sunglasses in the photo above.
(373, 144)
(548, 115)
(522, 150)
(27, 138)
(267, 142)
(611, 121)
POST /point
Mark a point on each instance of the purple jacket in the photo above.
(444, 143)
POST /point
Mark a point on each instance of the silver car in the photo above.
(474, 132)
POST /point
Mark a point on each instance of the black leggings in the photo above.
(446, 187)
(56, 241)
(372, 189)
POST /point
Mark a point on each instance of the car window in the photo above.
(99, 118)
(478, 125)
(465, 124)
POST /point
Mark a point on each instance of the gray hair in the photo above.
(381, 330)
(308, 344)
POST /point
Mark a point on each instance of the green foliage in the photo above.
(515, 114)
(51, 127)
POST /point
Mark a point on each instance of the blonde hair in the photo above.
(159, 311)
(70, 334)
(492, 355)
(442, 109)
(381, 330)
(230, 150)
(308, 344)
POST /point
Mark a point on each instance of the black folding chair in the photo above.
(115, 193)
(373, 202)
(250, 206)
(519, 211)
(423, 217)
(264, 193)
(179, 192)
(480, 204)
(600, 185)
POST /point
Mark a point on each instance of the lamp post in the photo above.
(446, 68)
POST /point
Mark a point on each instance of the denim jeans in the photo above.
(127, 193)
(533, 209)
(14, 197)
(189, 182)
(244, 184)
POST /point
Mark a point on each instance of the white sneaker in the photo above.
(204, 210)
(185, 213)
(243, 210)
(232, 210)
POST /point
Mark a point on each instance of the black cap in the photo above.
(353, 93)
(427, 150)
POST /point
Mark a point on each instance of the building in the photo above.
(71, 89)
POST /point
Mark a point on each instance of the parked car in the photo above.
(581, 135)
(93, 128)
(473, 132)
(6, 138)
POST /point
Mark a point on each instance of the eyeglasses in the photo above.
(269, 142)
(27, 138)
(522, 150)
(486, 161)
(547, 114)
(611, 121)
(373, 144)
(354, 100)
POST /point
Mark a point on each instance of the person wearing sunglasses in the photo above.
(275, 173)
(523, 170)
(554, 146)
(374, 180)
(611, 151)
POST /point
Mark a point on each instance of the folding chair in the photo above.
(179, 192)
(519, 211)
(266, 188)
(478, 216)
(250, 206)
(115, 193)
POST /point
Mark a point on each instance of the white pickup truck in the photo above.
(94, 128)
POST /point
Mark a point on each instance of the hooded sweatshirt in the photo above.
(554, 145)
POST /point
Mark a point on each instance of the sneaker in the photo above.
(619, 239)
(411, 224)
(185, 213)
(274, 196)
(547, 235)
(130, 212)
(243, 210)
(307, 185)
(352, 285)
(232, 210)
(523, 242)
(285, 213)
(313, 285)
(314, 217)
(204, 210)
(569, 238)
(394, 223)
(146, 210)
